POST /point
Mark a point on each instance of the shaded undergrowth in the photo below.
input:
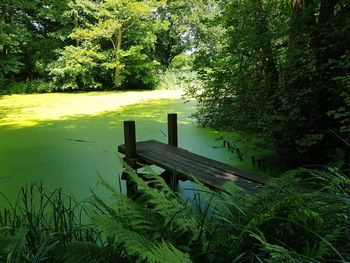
(302, 216)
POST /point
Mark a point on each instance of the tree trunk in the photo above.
(326, 11)
(265, 47)
(3, 19)
(4, 50)
(302, 18)
(117, 47)
(323, 28)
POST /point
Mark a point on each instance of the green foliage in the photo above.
(179, 80)
(88, 45)
(281, 72)
(290, 220)
(146, 228)
(75, 68)
(113, 44)
(34, 86)
(175, 36)
(341, 113)
(29, 34)
(41, 225)
(300, 217)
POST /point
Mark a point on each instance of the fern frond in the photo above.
(277, 253)
(166, 252)
(132, 243)
(161, 200)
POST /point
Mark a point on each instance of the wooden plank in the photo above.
(165, 161)
(169, 161)
(207, 177)
(210, 162)
(192, 164)
(181, 161)
(198, 160)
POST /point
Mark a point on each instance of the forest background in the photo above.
(279, 69)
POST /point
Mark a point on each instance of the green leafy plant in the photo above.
(299, 217)
(42, 225)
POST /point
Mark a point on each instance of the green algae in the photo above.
(69, 148)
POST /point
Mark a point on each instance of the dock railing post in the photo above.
(130, 153)
(170, 177)
(130, 143)
(172, 129)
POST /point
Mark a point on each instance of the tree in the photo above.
(174, 36)
(117, 38)
(26, 27)
(282, 73)
(11, 35)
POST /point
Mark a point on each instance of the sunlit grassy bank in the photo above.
(28, 110)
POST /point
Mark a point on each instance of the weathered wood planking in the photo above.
(186, 164)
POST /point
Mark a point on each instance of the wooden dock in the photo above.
(181, 164)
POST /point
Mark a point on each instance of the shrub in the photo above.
(34, 86)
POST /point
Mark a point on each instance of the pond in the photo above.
(68, 140)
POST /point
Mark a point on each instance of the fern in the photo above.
(166, 252)
(139, 226)
(132, 243)
(276, 253)
(301, 217)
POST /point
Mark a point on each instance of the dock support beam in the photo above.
(169, 177)
(130, 154)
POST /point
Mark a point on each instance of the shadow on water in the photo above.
(72, 152)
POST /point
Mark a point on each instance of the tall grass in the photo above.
(176, 79)
(40, 222)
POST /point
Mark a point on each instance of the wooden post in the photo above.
(169, 177)
(172, 129)
(130, 143)
(130, 154)
(253, 160)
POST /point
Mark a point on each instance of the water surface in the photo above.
(68, 140)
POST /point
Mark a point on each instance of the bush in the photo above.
(34, 86)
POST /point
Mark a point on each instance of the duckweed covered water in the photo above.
(68, 140)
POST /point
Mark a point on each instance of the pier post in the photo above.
(172, 129)
(130, 154)
(169, 177)
(130, 143)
